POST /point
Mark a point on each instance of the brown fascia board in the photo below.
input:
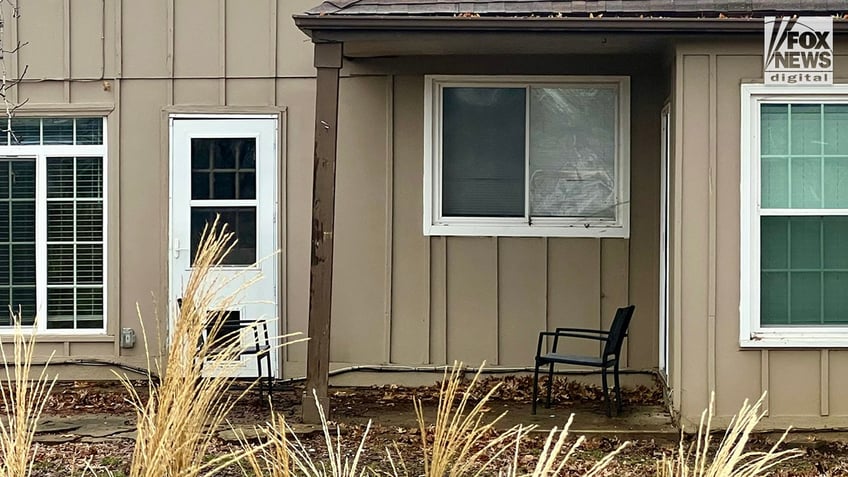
(382, 24)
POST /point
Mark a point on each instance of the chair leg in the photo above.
(270, 375)
(617, 389)
(259, 372)
(550, 384)
(535, 386)
(606, 391)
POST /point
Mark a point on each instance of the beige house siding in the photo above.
(134, 60)
(399, 297)
(414, 300)
(803, 385)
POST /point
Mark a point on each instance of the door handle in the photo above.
(177, 248)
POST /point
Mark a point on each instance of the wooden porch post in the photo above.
(328, 61)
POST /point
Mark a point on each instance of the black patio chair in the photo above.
(609, 357)
(259, 347)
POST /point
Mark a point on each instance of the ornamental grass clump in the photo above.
(462, 442)
(285, 455)
(730, 458)
(23, 399)
(177, 424)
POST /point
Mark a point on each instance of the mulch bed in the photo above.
(112, 457)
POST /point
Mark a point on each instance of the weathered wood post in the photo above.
(328, 62)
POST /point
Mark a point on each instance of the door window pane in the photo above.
(572, 152)
(240, 220)
(230, 324)
(223, 168)
(483, 142)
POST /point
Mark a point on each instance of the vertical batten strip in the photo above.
(825, 382)
(676, 226)
(170, 54)
(497, 300)
(118, 42)
(547, 318)
(389, 216)
(113, 208)
(764, 379)
(222, 51)
(712, 265)
(272, 50)
(444, 265)
(601, 318)
(15, 67)
(428, 300)
(66, 51)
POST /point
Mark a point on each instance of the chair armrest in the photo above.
(542, 336)
(583, 330)
(557, 334)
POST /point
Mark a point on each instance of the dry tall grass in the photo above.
(285, 455)
(461, 442)
(23, 399)
(177, 423)
(730, 458)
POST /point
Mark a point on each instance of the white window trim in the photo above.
(40, 153)
(751, 333)
(437, 225)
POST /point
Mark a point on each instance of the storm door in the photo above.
(227, 167)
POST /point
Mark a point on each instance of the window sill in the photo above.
(795, 338)
(503, 230)
(7, 335)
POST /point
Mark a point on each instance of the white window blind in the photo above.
(55, 184)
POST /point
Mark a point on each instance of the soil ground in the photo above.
(92, 423)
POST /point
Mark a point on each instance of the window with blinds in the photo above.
(52, 213)
(533, 156)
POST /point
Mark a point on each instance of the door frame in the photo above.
(278, 115)
(665, 162)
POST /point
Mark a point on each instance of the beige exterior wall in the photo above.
(804, 385)
(399, 297)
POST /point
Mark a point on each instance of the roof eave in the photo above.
(376, 23)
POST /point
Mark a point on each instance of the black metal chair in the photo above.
(260, 347)
(609, 357)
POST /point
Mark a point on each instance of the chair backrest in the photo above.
(618, 330)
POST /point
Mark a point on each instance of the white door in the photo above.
(228, 167)
(664, 171)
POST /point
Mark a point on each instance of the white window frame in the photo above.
(40, 153)
(751, 333)
(436, 224)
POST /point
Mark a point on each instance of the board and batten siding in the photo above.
(133, 61)
(399, 297)
(804, 386)
(414, 300)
